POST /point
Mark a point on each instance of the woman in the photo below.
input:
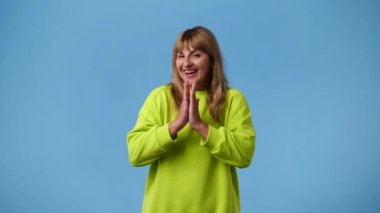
(193, 132)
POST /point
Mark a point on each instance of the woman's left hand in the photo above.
(195, 120)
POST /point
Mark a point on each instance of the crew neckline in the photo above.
(201, 93)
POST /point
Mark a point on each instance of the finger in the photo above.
(193, 86)
(186, 90)
(192, 93)
(195, 105)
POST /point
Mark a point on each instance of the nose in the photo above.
(187, 62)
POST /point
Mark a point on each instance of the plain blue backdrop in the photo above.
(74, 74)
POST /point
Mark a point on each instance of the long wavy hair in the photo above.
(201, 38)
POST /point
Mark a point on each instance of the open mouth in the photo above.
(191, 73)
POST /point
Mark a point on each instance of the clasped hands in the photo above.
(188, 113)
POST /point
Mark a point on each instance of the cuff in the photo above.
(163, 136)
(210, 137)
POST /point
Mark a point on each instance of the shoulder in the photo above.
(234, 93)
(161, 90)
(236, 103)
(236, 98)
(159, 94)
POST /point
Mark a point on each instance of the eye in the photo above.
(196, 55)
(180, 56)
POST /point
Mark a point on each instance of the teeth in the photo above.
(190, 71)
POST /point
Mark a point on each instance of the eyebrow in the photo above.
(191, 52)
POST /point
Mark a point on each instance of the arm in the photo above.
(233, 143)
(149, 140)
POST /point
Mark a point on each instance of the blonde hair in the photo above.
(201, 38)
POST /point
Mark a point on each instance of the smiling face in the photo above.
(194, 66)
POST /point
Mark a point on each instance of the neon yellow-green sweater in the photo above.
(189, 174)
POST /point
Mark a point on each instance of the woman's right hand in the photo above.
(183, 115)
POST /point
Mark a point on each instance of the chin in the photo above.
(191, 81)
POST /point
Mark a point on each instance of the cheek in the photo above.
(206, 66)
(178, 64)
(178, 70)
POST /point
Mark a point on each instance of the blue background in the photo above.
(73, 75)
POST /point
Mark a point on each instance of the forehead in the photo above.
(187, 50)
(189, 44)
(185, 45)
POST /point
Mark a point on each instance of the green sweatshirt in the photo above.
(189, 174)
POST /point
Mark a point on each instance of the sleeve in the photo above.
(234, 142)
(150, 138)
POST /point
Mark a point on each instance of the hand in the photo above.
(195, 120)
(183, 115)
